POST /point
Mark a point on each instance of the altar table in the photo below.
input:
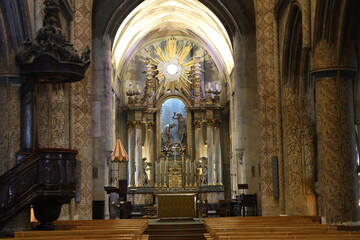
(176, 205)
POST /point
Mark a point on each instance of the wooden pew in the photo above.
(124, 229)
(271, 228)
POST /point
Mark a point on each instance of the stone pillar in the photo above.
(131, 154)
(27, 117)
(217, 153)
(270, 138)
(233, 158)
(210, 152)
(149, 150)
(336, 145)
(138, 155)
(199, 140)
(105, 173)
(81, 112)
(335, 130)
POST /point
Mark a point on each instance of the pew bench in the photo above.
(124, 229)
(273, 228)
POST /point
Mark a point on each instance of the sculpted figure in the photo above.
(182, 125)
(202, 164)
(146, 166)
(166, 133)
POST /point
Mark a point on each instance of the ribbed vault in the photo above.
(189, 17)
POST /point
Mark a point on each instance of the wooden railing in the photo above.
(47, 175)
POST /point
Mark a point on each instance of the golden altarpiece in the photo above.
(174, 127)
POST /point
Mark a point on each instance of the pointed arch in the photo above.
(160, 15)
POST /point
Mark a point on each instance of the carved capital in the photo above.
(130, 124)
(327, 57)
(217, 123)
(149, 125)
(197, 123)
(134, 124)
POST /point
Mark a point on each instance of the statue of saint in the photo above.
(146, 166)
(166, 133)
(203, 178)
(182, 126)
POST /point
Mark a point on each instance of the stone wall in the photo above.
(9, 124)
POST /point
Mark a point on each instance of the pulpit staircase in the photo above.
(44, 179)
(176, 231)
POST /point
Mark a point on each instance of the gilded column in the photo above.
(334, 106)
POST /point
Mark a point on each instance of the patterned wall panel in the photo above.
(308, 152)
(269, 103)
(81, 112)
(9, 125)
(298, 154)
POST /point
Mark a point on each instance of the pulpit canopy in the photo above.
(119, 154)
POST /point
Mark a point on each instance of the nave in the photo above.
(212, 228)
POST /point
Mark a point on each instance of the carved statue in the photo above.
(145, 167)
(202, 164)
(182, 126)
(166, 133)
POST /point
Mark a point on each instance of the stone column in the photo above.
(138, 155)
(199, 140)
(131, 154)
(210, 152)
(149, 149)
(27, 117)
(217, 151)
(269, 125)
(81, 112)
(336, 145)
(335, 129)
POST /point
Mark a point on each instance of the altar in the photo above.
(176, 206)
(174, 136)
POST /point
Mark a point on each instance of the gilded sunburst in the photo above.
(173, 59)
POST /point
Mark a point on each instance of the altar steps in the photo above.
(176, 231)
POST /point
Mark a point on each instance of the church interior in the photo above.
(179, 109)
